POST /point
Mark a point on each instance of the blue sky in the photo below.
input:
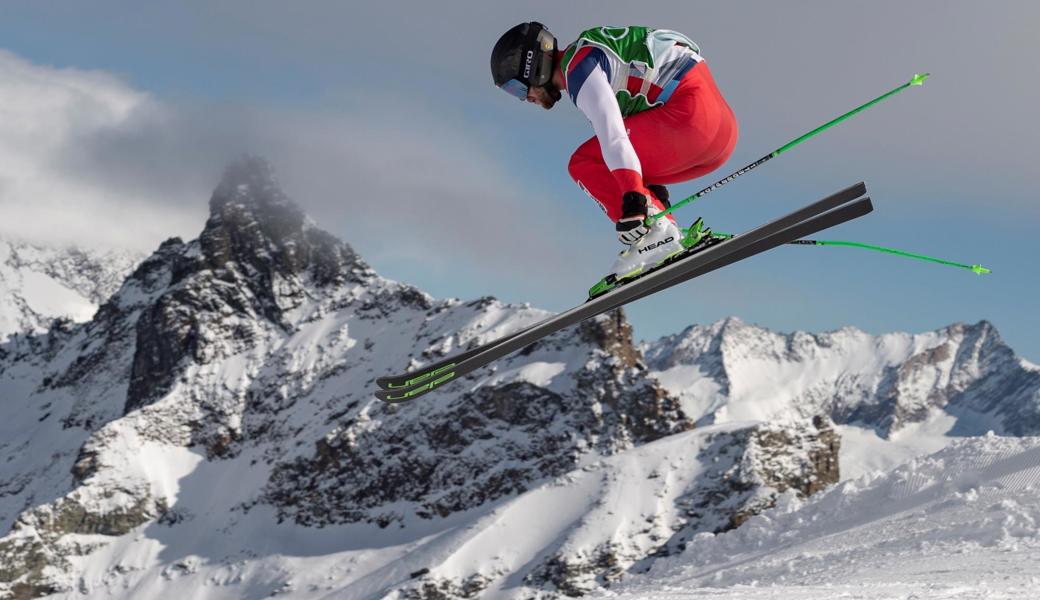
(381, 120)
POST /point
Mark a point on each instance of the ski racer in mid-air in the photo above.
(658, 119)
(657, 114)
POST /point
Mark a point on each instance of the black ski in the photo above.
(440, 367)
(413, 379)
(805, 221)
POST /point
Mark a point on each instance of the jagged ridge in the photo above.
(732, 370)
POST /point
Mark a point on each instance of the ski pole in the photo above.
(917, 79)
(977, 269)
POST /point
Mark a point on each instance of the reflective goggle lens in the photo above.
(515, 88)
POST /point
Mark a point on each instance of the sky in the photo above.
(381, 121)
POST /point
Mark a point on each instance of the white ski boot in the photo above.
(663, 241)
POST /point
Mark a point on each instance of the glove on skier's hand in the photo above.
(636, 206)
(630, 230)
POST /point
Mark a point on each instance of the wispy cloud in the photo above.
(44, 111)
(86, 158)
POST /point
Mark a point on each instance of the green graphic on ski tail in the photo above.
(651, 55)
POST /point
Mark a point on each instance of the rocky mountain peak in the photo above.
(612, 333)
(257, 262)
(980, 343)
(250, 181)
(254, 223)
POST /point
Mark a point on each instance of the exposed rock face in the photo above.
(484, 444)
(446, 589)
(744, 471)
(883, 382)
(782, 459)
(52, 541)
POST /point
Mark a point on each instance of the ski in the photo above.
(433, 370)
(852, 210)
(415, 377)
(451, 366)
(805, 221)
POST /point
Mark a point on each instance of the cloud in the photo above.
(44, 110)
(87, 159)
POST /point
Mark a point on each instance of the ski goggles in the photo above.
(515, 88)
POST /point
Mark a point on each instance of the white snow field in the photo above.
(958, 524)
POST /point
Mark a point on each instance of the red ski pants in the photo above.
(691, 135)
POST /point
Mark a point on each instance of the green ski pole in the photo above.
(917, 79)
(977, 269)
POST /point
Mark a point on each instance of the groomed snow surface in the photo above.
(961, 523)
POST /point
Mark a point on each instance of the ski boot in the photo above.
(664, 242)
(695, 236)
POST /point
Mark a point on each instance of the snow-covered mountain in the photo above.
(39, 284)
(212, 430)
(726, 370)
(913, 391)
(214, 422)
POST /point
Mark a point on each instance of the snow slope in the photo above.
(39, 284)
(611, 508)
(961, 523)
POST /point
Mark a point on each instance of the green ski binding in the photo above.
(693, 238)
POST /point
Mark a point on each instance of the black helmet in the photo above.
(523, 58)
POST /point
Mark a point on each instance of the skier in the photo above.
(655, 109)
